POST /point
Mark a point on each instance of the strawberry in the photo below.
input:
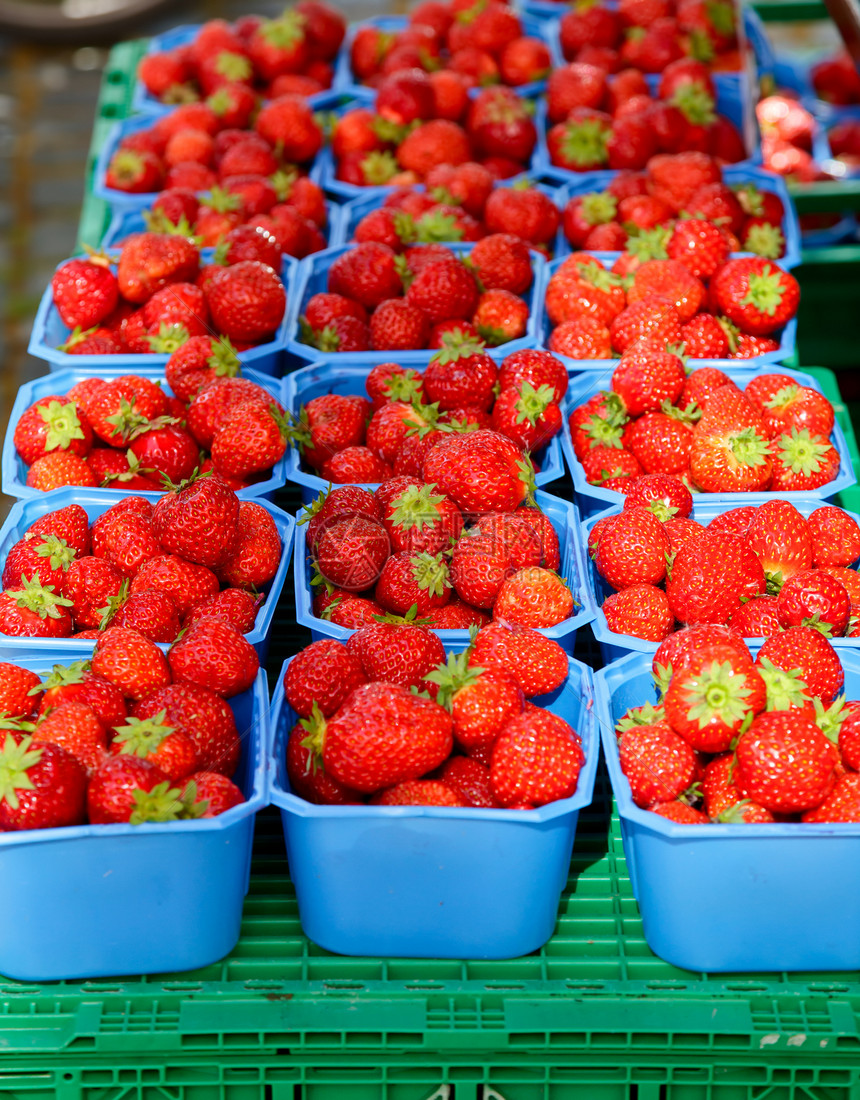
(653, 318)
(536, 367)
(798, 407)
(729, 450)
(149, 611)
(470, 780)
(210, 794)
(646, 377)
(18, 690)
(150, 261)
(156, 741)
(537, 663)
(444, 290)
(755, 294)
(704, 338)
(534, 596)
(407, 580)
(658, 764)
(782, 541)
(481, 471)
(666, 497)
(634, 550)
(50, 424)
(59, 468)
(502, 262)
(132, 662)
(479, 564)
(785, 763)
(85, 290)
(197, 521)
(135, 172)
(676, 652)
(661, 442)
(709, 701)
(711, 576)
(835, 537)
(641, 610)
(250, 440)
(757, 618)
(203, 716)
(367, 274)
(247, 301)
(77, 683)
(536, 759)
(212, 653)
(76, 728)
(814, 598)
(802, 461)
(127, 789)
(33, 610)
(351, 551)
(418, 519)
(805, 650)
(481, 702)
(44, 786)
(322, 674)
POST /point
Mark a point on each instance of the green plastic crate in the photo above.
(829, 291)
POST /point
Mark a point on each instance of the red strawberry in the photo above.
(708, 702)
(198, 521)
(755, 294)
(634, 550)
(323, 673)
(132, 662)
(805, 649)
(835, 537)
(247, 301)
(537, 663)
(785, 763)
(201, 715)
(44, 786)
(711, 576)
(658, 764)
(641, 610)
(481, 471)
(536, 759)
(781, 539)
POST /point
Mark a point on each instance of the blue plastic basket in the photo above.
(49, 332)
(312, 278)
(345, 82)
(125, 222)
(566, 521)
(743, 898)
(300, 386)
(592, 498)
(325, 165)
(732, 176)
(90, 901)
(615, 646)
(427, 881)
(96, 501)
(15, 470)
(605, 367)
(142, 200)
(144, 103)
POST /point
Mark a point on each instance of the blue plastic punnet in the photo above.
(49, 332)
(302, 385)
(96, 501)
(427, 881)
(59, 384)
(593, 498)
(744, 898)
(614, 646)
(565, 519)
(312, 279)
(91, 901)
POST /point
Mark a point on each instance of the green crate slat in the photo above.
(830, 388)
(827, 321)
(789, 11)
(423, 1079)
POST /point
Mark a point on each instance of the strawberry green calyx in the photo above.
(452, 676)
(141, 736)
(388, 130)
(404, 387)
(134, 470)
(700, 47)
(527, 478)
(585, 143)
(470, 14)
(281, 420)
(602, 432)
(407, 275)
(151, 426)
(664, 512)
(785, 689)
(316, 505)
(646, 715)
(61, 676)
(429, 419)
(62, 423)
(221, 201)
(315, 727)
(158, 222)
(40, 599)
(765, 240)
(97, 256)
(430, 572)
(801, 452)
(829, 719)
(168, 339)
(58, 552)
(716, 693)
(196, 475)
(221, 253)
(647, 244)
(493, 336)
(379, 168)
(721, 16)
(783, 397)
(816, 622)
(177, 94)
(233, 66)
(663, 677)
(19, 725)
(750, 198)
(732, 333)
(598, 207)
(442, 194)
(456, 346)
(598, 276)
(416, 507)
(533, 403)
(284, 32)
(765, 291)
(16, 759)
(411, 618)
(325, 339)
(686, 416)
(126, 166)
(283, 181)
(166, 803)
(224, 360)
(299, 431)
(318, 579)
(736, 814)
(695, 103)
(748, 448)
(114, 603)
(127, 420)
(404, 227)
(434, 226)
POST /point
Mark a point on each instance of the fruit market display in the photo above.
(231, 67)
(127, 433)
(197, 553)
(775, 435)
(381, 299)
(387, 719)
(440, 551)
(459, 46)
(407, 413)
(734, 739)
(763, 569)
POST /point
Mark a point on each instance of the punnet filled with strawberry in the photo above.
(459, 46)
(350, 425)
(452, 773)
(412, 131)
(130, 433)
(740, 309)
(734, 771)
(776, 434)
(372, 297)
(152, 297)
(76, 563)
(231, 67)
(768, 569)
(466, 545)
(146, 767)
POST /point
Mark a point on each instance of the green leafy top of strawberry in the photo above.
(428, 419)
(166, 803)
(456, 346)
(315, 726)
(765, 240)
(765, 291)
(716, 690)
(310, 510)
(783, 397)
(38, 598)
(646, 715)
(721, 16)
(62, 424)
(158, 222)
(695, 103)
(75, 337)
(114, 603)
(16, 759)
(701, 47)
(285, 31)
(434, 226)
(598, 207)
(220, 200)
(748, 448)
(379, 168)
(801, 452)
(785, 688)
(442, 194)
(452, 676)
(134, 470)
(750, 198)
(233, 66)
(647, 244)
(405, 386)
(168, 339)
(58, 552)
(533, 403)
(416, 507)
(598, 276)
(141, 736)
(829, 719)
(411, 618)
(126, 165)
(61, 676)
(585, 142)
(430, 572)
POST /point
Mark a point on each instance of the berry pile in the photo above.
(410, 132)
(346, 438)
(130, 736)
(387, 720)
(445, 551)
(156, 295)
(385, 300)
(127, 433)
(597, 120)
(836, 80)
(233, 66)
(701, 428)
(739, 313)
(461, 204)
(156, 569)
(652, 35)
(459, 46)
(734, 740)
(196, 148)
(762, 570)
(679, 208)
